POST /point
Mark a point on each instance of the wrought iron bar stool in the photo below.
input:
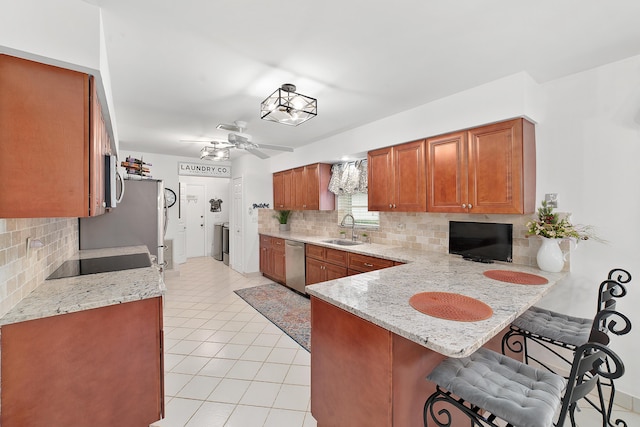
(487, 387)
(555, 331)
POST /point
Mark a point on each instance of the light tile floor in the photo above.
(227, 365)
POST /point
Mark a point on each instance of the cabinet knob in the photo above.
(470, 205)
(464, 206)
(390, 205)
(394, 205)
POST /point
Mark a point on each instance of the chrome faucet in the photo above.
(354, 237)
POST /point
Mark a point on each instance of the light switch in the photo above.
(551, 199)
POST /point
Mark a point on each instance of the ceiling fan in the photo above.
(219, 150)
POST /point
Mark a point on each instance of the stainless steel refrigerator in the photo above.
(139, 219)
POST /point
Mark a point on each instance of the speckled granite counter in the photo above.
(382, 297)
(72, 294)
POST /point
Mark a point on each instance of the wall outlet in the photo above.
(551, 199)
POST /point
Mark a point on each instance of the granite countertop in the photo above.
(72, 294)
(382, 296)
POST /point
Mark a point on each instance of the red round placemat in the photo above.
(516, 277)
(449, 306)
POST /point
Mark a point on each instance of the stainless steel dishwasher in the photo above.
(294, 265)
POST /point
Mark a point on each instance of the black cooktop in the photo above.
(80, 267)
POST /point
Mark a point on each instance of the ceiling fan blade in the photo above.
(257, 153)
(237, 126)
(275, 147)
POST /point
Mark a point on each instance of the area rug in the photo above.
(285, 308)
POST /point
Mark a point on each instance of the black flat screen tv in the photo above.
(481, 241)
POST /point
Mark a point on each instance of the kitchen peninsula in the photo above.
(86, 350)
(371, 350)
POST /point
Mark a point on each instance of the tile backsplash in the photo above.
(21, 273)
(416, 230)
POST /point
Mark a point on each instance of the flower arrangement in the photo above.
(549, 224)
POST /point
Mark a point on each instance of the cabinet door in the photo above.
(287, 189)
(278, 259)
(279, 265)
(498, 175)
(381, 179)
(44, 140)
(265, 265)
(312, 187)
(447, 173)
(299, 188)
(278, 190)
(334, 271)
(100, 367)
(315, 271)
(409, 164)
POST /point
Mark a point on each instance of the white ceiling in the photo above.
(178, 68)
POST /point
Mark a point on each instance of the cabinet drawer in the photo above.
(277, 243)
(265, 240)
(336, 256)
(366, 263)
(314, 251)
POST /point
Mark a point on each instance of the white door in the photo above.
(236, 248)
(196, 227)
(180, 252)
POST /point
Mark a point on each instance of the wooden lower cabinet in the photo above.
(98, 367)
(324, 264)
(321, 271)
(272, 258)
(365, 375)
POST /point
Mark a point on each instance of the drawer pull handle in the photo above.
(366, 264)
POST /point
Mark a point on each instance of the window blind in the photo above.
(357, 205)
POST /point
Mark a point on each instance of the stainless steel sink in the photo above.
(342, 242)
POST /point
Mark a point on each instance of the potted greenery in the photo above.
(283, 219)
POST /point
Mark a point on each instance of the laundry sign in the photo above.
(198, 169)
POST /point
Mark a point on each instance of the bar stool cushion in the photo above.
(518, 393)
(556, 326)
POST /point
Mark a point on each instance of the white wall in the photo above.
(257, 188)
(588, 149)
(166, 168)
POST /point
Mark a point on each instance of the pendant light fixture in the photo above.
(288, 107)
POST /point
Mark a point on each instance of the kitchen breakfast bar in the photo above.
(371, 350)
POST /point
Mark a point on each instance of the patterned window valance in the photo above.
(349, 178)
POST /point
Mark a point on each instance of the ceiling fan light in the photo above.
(212, 153)
(286, 106)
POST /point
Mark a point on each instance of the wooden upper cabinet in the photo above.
(303, 188)
(447, 173)
(397, 178)
(299, 187)
(380, 179)
(50, 163)
(282, 190)
(278, 190)
(489, 169)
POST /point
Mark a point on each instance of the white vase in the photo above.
(550, 257)
(284, 227)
